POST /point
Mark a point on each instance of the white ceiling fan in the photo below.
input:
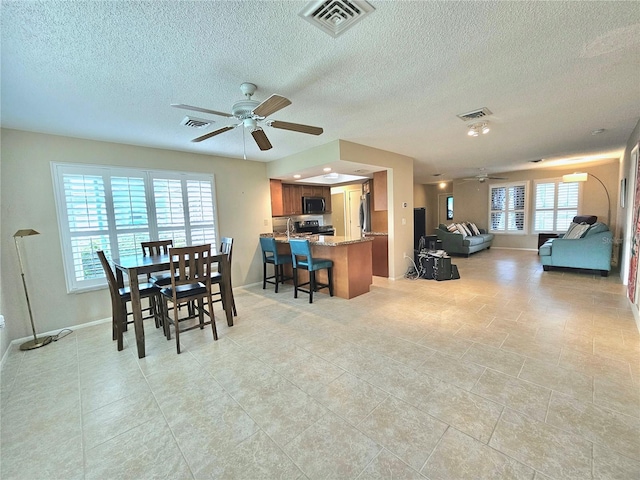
(252, 115)
(483, 177)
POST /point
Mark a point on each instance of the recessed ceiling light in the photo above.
(443, 184)
(297, 176)
(596, 132)
(326, 169)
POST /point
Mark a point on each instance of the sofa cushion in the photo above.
(474, 240)
(577, 232)
(597, 227)
(545, 249)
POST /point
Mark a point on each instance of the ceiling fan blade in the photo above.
(261, 139)
(296, 127)
(497, 178)
(271, 105)
(198, 109)
(213, 134)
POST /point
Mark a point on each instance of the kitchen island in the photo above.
(352, 268)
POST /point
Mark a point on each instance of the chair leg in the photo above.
(264, 276)
(312, 284)
(213, 319)
(295, 283)
(177, 327)
(201, 312)
(276, 274)
(330, 273)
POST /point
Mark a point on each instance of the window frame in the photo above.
(60, 169)
(524, 210)
(556, 182)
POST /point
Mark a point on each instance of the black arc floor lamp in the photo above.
(36, 342)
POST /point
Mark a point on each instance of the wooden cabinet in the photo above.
(277, 205)
(380, 190)
(292, 199)
(286, 198)
(380, 255)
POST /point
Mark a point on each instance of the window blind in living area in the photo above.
(507, 208)
(115, 209)
(556, 203)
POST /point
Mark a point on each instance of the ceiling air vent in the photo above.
(195, 122)
(335, 16)
(474, 115)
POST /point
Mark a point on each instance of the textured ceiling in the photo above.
(551, 72)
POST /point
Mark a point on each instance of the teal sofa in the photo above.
(457, 244)
(591, 252)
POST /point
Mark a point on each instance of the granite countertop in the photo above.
(376, 234)
(322, 240)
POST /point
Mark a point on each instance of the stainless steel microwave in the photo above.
(313, 205)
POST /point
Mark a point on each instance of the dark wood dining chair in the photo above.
(160, 279)
(226, 247)
(190, 283)
(119, 299)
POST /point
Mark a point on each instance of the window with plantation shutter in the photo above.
(115, 209)
(556, 203)
(507, 208)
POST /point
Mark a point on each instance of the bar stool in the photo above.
(278, 260)
(302, 258)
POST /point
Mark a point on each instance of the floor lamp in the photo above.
(582, 177)
(36, 342)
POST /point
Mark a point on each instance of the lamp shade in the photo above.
(575, 177)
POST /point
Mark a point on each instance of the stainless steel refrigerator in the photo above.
(365, 212)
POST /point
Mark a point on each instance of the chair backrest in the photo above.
(160, 247)
(111, 278)
(269, 248)
(226, 246)
(191, 265)
(301, 248)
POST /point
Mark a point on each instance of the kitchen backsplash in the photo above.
(280, 223)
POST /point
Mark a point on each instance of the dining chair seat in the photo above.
(271, 256)
(183, 291)
(303, 259)
(161, 278)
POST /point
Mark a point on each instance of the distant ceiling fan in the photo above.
(483, 177)
(252, 115)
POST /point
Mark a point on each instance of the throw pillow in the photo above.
(452, 228)
(461, 229)
(467, 229)
(476, 230)
(572, 225)
(577, 231)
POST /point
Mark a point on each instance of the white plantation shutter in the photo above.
(103, 208)
(507, 208)
(556, 205)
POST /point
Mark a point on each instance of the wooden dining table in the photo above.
(135, 265)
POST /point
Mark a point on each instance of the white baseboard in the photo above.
(55, 332)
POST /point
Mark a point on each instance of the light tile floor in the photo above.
(508, 372)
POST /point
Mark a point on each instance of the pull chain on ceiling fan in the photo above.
(252, 115)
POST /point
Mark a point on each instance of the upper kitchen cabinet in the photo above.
(380, 190)
(277, 201)
(286, 198)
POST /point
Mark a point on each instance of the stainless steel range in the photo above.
(314, 227)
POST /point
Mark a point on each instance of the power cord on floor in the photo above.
(60, 335)
(413, 272)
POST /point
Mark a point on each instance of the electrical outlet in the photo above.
(404, 221)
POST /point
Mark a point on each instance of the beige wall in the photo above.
(399, 198)
(471, 201)
(243, 199)
(419, 195)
